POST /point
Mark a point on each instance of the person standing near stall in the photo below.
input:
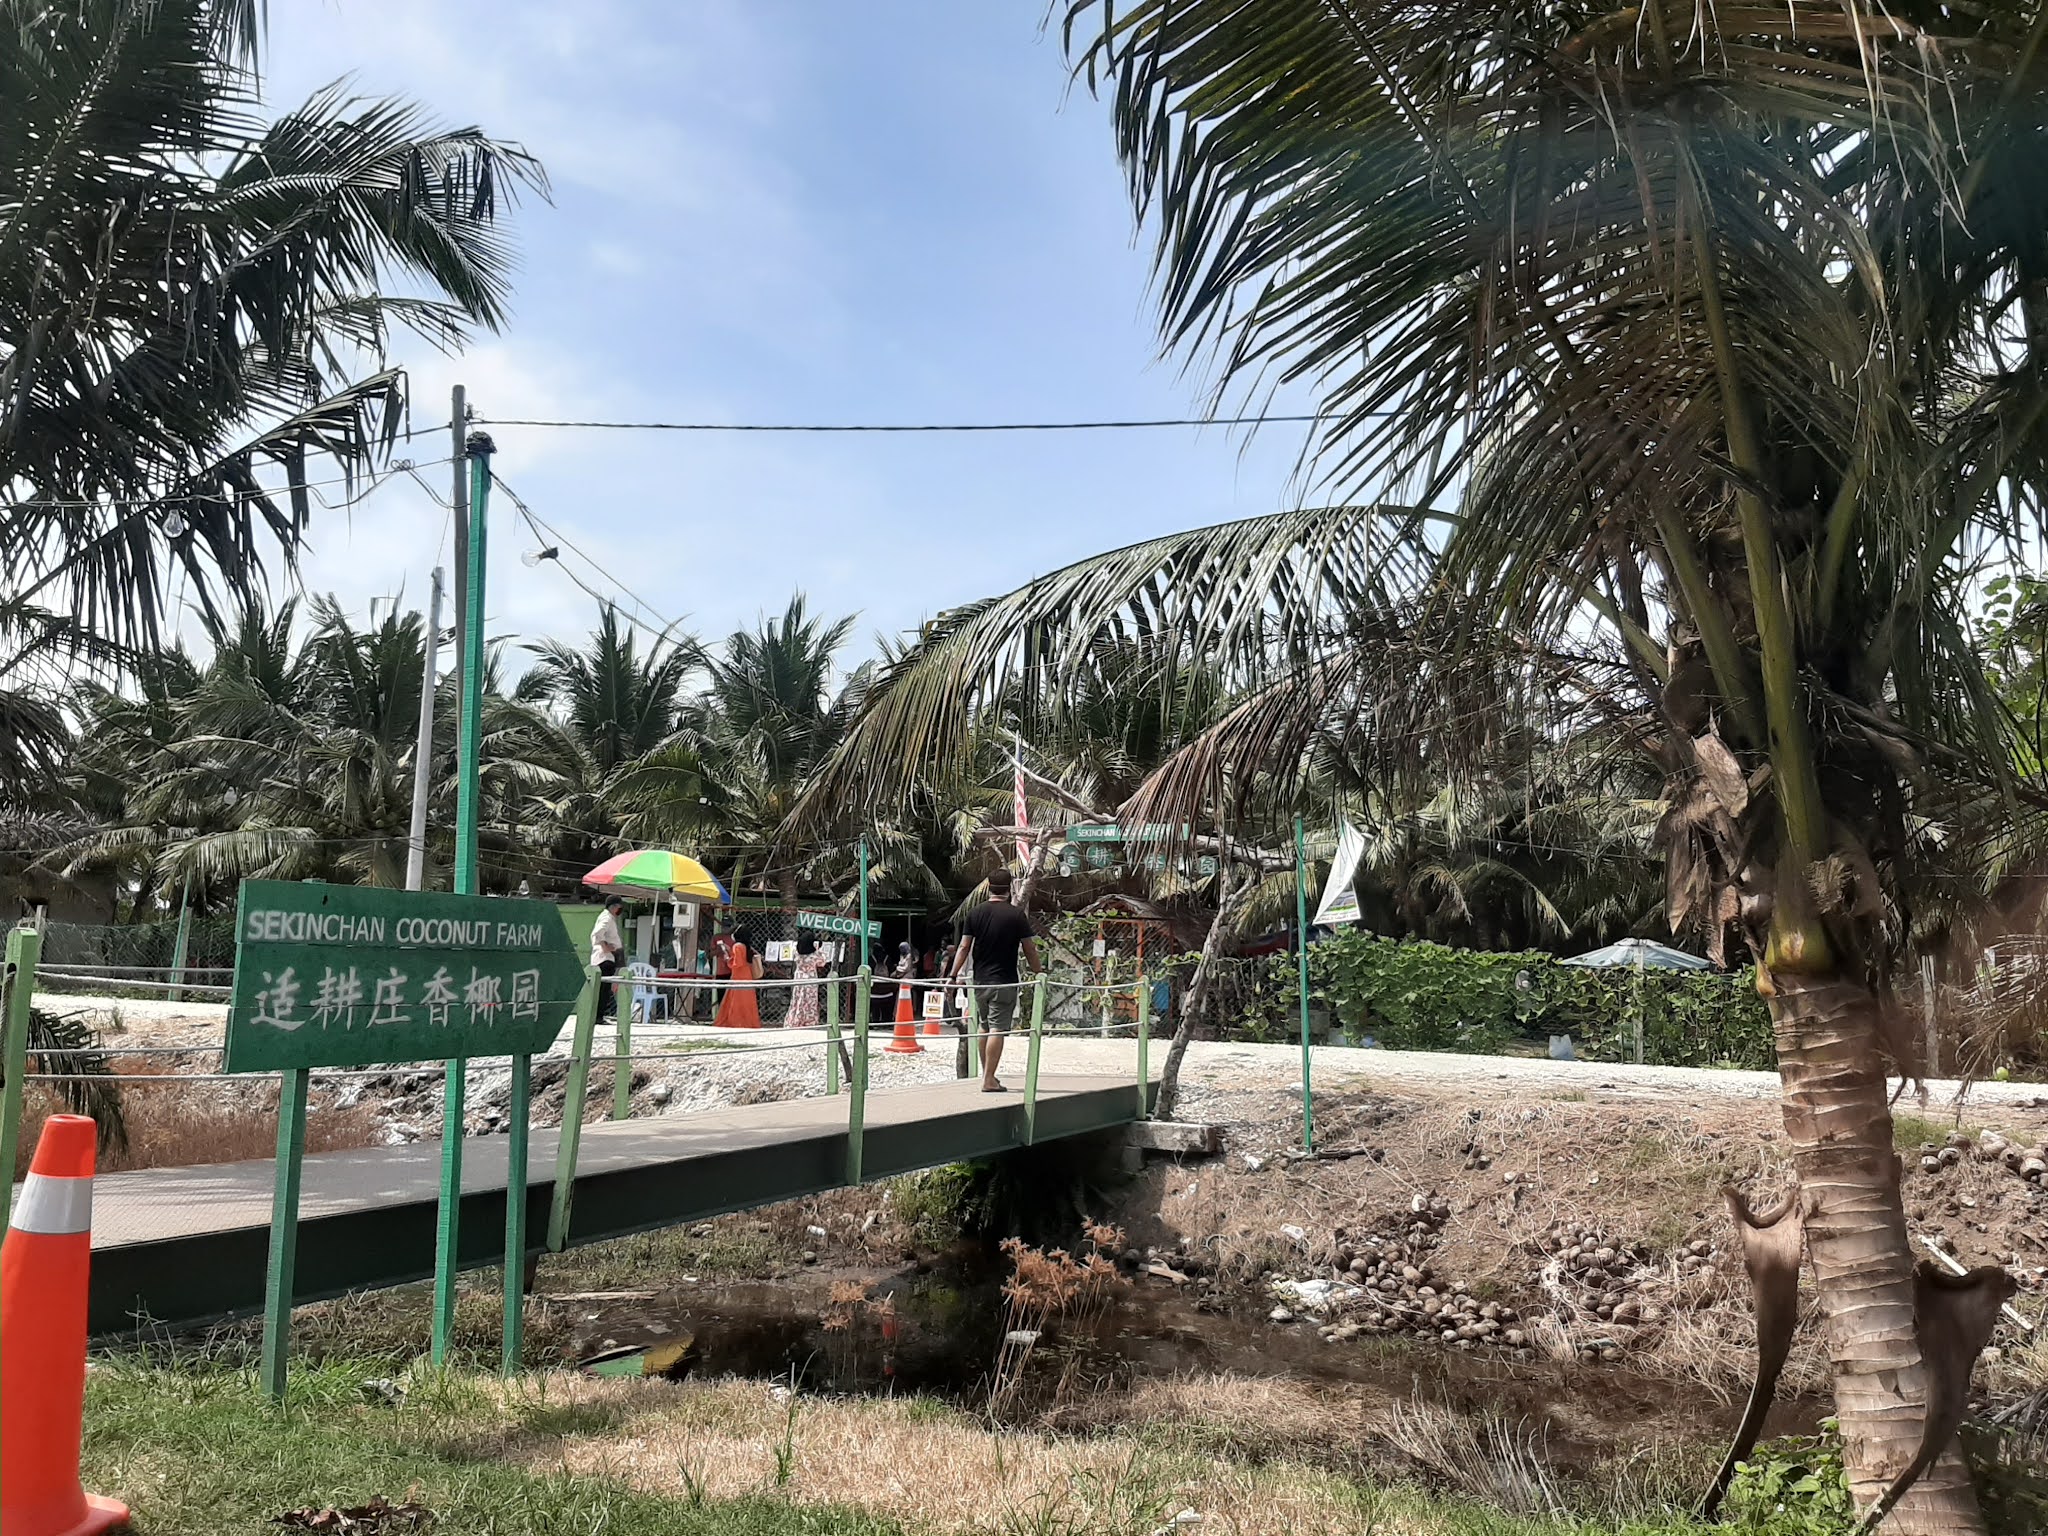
(607, 949)
(740, 1009)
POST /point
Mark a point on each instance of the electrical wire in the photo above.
(139, 504)
(543, 530)
(1137, 424)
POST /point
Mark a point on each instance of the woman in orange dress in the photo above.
(740, 1009)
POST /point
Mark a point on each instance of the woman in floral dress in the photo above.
(803, 1001)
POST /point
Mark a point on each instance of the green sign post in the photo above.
(344, 976)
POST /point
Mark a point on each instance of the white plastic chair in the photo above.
(646, 999)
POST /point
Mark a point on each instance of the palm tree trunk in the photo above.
(1839, 1123)
(1195, 1002)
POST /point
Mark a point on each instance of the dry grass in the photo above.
(1247, 1418)
(939, 1470)
(1498, 1462)
(176, 1127)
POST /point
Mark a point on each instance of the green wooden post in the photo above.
(1031, 1059)
(284, 1229)
(515, 1213)
(832, 1038)
(24, 950)
(574, 1092)
(448, 1216)
(622, 1055)
(857, 1105)
(1144, 1049)
(468, 805)
(972, 1006)
(1308, 1114)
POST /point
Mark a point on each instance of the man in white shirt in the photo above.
(607, 949)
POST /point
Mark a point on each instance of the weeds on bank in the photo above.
(1048, 1288)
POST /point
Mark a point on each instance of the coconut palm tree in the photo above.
(595, 712)
(196, 306)
(289, 757)
(1714, 337)
(773, 706)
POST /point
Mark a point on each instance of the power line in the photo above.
(944, 426)
(137, 504)
(543, 530)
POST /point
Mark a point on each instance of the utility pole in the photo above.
(423, 746)
(458, 437)
(469, 781)
(468, 789)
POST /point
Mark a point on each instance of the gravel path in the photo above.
(704, 1067)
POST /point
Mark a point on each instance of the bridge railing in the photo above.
(1059, 1008)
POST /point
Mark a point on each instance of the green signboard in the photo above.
(1110, 832)
(830, 922)
(341, 975)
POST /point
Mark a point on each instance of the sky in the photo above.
(785, 211)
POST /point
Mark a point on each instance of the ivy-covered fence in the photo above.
(1429, 997)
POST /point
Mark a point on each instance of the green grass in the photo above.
(1912, 1132)
(195, 1449)
(200, 1453)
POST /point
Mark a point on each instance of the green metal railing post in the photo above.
(1108, 994)
(971, 1009)
(521, 1111)
(1144, 1049)
(832, 1038)
(24, 950)
(574, 1093)
(622, 1056)
(857, 1104)
(1031, 1059)
(279, 1282)
(1308, 1114)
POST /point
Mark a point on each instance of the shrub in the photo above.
(1417, 996)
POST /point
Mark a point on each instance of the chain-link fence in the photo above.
(140, 947)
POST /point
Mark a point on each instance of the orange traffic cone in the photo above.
(43, 1274)
(904, 1040)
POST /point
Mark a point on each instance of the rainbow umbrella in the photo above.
(657, 871)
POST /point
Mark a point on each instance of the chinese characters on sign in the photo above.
(344, 976)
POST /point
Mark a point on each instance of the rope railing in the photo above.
(158, 970)
(207, 990)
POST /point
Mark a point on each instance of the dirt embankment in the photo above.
(1572, 1223)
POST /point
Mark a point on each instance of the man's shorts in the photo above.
(997, 1007)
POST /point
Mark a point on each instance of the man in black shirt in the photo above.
(993, 933)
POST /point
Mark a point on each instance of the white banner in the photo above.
(1340, 903)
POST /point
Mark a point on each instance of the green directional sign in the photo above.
(831, 922)
(1111, 832)
(340, 975)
